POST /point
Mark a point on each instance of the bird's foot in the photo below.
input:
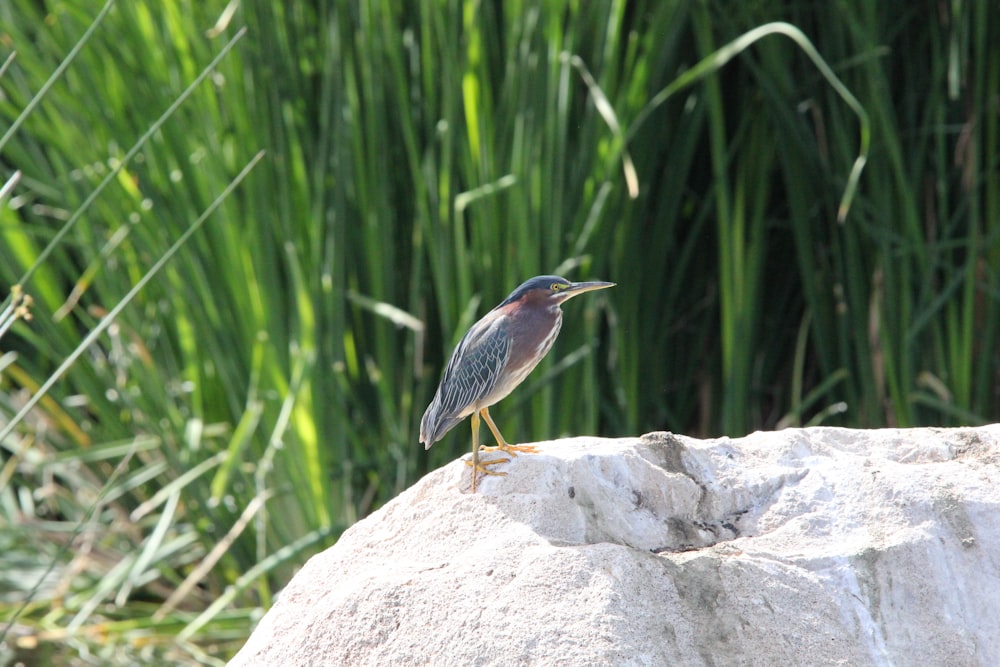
(511, 449)
(480, 466)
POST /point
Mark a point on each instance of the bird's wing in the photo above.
(471, 375)
(476, 365)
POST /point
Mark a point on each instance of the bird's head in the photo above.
(551, 290)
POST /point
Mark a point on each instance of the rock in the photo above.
(820, 546)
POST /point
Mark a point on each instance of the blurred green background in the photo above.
(229, 353)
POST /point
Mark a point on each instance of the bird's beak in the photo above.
(580, 288)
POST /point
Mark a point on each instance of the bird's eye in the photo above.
(555, 287)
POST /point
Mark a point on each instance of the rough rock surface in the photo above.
(817, 546)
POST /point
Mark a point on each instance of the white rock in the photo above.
(818, 546)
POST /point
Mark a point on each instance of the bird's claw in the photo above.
(511, 449)
(480, 466)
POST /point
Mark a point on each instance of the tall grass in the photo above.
(228, 358)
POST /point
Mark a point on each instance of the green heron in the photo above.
(495, 356)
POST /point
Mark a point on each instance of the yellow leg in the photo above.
(476, 465)
(501, 443)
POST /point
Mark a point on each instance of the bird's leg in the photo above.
(501, 443)
(476, 465)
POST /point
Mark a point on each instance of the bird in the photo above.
(494, 356)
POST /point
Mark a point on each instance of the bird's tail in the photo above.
(434, 425)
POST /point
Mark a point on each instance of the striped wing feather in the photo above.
(471, 376)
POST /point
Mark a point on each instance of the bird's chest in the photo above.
(532, 337)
